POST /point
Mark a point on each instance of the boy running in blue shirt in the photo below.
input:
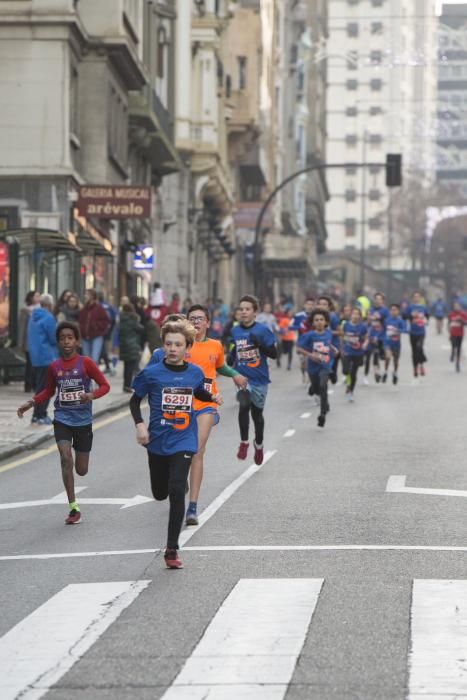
(253, 343)
(417, 314)
(172, 438)
(318, 348)
(354, 345)
(395, 325)
(377, 321)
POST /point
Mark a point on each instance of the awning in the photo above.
(91, 246)
(89, 239)
(30, 239)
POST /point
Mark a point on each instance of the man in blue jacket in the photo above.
(42, 350)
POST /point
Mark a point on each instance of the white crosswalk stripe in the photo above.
(250, 649)
(41, 648)
(438, 657)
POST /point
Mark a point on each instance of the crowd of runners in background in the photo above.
(172, 353)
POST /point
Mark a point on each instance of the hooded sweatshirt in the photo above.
(41, 338)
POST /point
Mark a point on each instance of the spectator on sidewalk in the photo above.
(31, 302)
(43, 351)
(69, 311)
(131, 332)
(61, 302)
(112, 313)
(94, 324)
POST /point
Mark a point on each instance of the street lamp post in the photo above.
(258, 281)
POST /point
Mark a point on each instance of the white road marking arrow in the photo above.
(396, 484)
(61, 498)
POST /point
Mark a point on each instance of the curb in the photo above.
(33, 441)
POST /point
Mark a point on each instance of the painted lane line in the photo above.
(186, 534)
(251, 646)
(245, 548)
(437, 660)
(305, 415)
(289, 433)
(396, 484)
(68, 624)
(62, 498)
(224, 496)
(53, 448)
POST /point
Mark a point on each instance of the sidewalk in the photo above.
(17, 435)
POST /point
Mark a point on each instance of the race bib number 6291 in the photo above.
(177, 399)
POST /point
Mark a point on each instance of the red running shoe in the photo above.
(259, 455)
(74, 517)
(172, 560)
(243, 450)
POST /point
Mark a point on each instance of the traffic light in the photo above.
(393, 169)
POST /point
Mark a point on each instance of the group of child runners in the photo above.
(180, 385)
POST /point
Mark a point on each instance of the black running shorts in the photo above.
(80, 436)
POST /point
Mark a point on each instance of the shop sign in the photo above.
(4, 290)
(143, 258)
(114, 201)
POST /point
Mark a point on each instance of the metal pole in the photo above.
(363, 218)
(56, 273)
(390, 241)
(320, 166)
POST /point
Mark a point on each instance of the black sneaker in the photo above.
(321, 421)
(394, 379)
(310, 391)
(385, 376)
(377, 378)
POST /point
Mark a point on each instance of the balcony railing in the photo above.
(162, 114)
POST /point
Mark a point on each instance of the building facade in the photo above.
(452, 99)
(381, 99)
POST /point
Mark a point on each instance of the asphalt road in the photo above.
(318, 509)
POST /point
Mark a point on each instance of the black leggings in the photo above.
(375, 351)
(456, 343)
(246, 405)
(319, 385)
(169, 474)
(352, 364)
(287, 349)
(418, 355)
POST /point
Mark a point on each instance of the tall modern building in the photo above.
(452, 98)
(381, 61)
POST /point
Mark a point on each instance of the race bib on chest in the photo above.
(177, 399)
(247, 355)
(70, 397)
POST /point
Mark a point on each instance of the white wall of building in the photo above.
(382, 75)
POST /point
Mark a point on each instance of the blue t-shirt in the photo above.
(417, 315)
(334, 321)
(439, 309)
(394, 328)
(297, 320)
(156, 357)
(249, 360)
(172, 422)
(320, 343)
(377, 319)
(354, 337)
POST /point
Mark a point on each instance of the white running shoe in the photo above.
(350, 397)
(365, 381)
